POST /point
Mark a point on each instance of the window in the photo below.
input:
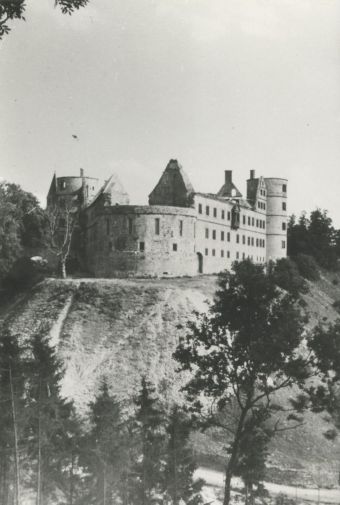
(228, 236)
(228, 254)
(157, 225)
(259, 204)
(252, 241)
(174, 247)
(130, 225)
(243, 239)
(207, 233)
(214, 234)
(237, 255)
(213, 252)
(181, 228)
(284, 226)
(62, 184)
(243, 256)
(244, 219)
(283, 244)
(237, 238)
(284, 206)
(257, 242)
(264, 206)
(207, 210)
(215, 212)
(248, 220)
(248, 241)
(222, 214)
(222, 235)
(206, 252)
(264, 243)
(200, 208)
(228, 216)
(284, 188)
(142, 246)
(222, 253)
(257, 223)
(252, 221)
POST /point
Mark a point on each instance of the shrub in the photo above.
(307, 267)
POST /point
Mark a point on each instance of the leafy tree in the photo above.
(22, 224)
(325, 344)
(106, 451)
(51, 426)
(150, 436)
(287, 276)
(242, 352)
(179, 462)
(15, 9)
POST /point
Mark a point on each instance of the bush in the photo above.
(24, 273)
(307, 267)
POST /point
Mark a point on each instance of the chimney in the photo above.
(228, 175)
(252, 174)
(81, 172)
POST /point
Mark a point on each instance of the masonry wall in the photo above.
(141, 241)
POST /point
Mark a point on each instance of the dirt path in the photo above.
(215, 478)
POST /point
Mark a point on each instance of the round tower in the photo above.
(276, 228)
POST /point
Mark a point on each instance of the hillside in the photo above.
(124, 329)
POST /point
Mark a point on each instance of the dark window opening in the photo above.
(200, 208)
(142, 246)
(130, 225)
(284, 188)
(207, 210)
(214, 234)
(174, 247)
(215, 212)
(157, 225)
(181, 228)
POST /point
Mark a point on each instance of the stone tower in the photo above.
(276, 218)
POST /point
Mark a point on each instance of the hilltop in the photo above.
(123, 329)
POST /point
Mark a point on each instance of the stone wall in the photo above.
(141, 241)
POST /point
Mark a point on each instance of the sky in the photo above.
(217, 84)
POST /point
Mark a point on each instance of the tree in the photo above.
(51, 425)
(325, 344)
(106, 451)
(15, 9)
(22, 225)
(149, 437)
(62, 219)
(242, 352)
(179, 484)
(11, 397)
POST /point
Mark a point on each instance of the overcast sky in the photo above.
(217, 84)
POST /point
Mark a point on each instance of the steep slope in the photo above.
(124, 329)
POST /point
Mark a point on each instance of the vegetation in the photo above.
(15, 9)
(240, 354)
(314, 236)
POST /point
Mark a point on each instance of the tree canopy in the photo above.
(240, 354)
(15, 9)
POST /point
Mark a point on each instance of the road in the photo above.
(215, 478)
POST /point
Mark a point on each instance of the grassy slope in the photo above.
(123, 329)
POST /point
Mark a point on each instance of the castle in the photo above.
(181, 232)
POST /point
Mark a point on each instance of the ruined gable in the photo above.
(173, 188)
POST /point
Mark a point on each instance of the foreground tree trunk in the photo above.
(63, 268)
(233, 457)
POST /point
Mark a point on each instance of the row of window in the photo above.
(238, 255)
(261, 205)
(245, 240)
